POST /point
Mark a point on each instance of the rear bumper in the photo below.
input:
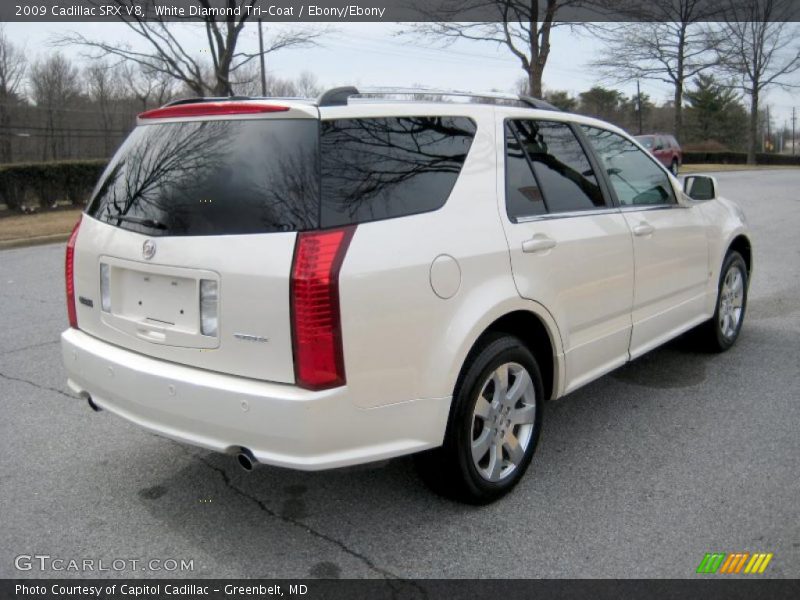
(280, 424)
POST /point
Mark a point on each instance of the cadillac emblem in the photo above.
(148, 249)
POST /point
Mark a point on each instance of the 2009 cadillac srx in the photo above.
(315, 284)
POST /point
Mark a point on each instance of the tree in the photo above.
(13, 65)
(308, 85)
(248, 83)
(670, 45)
(630, 109)
(149, 88)
(561, 100)
(55, 84)
(520, 26)
(104, 88)
(164, 53)
(601, 102)
(758, 45)
(715, 112)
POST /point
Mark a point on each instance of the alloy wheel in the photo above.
(503, 421)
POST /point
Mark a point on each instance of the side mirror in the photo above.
(700, 187)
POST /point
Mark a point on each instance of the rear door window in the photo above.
(381, 168)
(213, 178)
(560, 165)
(523, 195)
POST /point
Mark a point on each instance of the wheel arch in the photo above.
(741, 244)
(536, 329)
(533, 332)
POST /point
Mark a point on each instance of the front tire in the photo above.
(722, 330)
(674, 167)
(494, 425)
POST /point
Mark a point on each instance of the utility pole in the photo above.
(794, 141)
(769, 139)
(639, 105)
(261, 58)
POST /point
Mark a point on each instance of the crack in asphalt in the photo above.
(36, 385)
(13, 350)
(228, 482)
(308, 529)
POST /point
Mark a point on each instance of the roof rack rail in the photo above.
(340, 95)
(337, 96)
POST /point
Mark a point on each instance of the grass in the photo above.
(17, 228)
(711, 168)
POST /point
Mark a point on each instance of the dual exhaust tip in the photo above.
(244, 457)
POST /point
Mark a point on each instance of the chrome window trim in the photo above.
(602, 211)
(639, 207)
(568, 214)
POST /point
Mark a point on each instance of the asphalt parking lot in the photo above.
(637, 475)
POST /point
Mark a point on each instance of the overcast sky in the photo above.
(369, 54)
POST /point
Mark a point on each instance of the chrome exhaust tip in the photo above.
(92, 405)
(246, 459)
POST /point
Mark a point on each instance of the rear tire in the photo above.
(720, 332)
(674, 167)
(494, 424)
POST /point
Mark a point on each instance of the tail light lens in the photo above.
(69, 276)
(316, 319)
(209, 300)
(105, 287)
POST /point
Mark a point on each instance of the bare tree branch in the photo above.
(164, 54)
(759, 46)
(523, 27)
(668, 43)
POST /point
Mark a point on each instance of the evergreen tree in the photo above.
(715, 113)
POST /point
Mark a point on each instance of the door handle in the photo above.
(538, 243)
(643, 228)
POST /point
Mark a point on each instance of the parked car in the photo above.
(665, 148)
(321, 284)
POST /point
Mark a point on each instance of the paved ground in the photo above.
(638, 474)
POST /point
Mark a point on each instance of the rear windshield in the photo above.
(261, 176)
(645, 140)
(213, 178)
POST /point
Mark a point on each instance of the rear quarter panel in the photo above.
(401, 340)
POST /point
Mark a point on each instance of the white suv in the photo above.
(321, 284)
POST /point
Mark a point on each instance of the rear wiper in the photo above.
(139, 221)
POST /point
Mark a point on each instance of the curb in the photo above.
(34, 241)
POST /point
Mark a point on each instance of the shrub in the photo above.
(44, 184)
(738, 158)
(706, 146)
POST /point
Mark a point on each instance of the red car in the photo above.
(665, 148)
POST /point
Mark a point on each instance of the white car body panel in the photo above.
(416, 293)
(671, 273)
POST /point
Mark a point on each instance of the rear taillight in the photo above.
(69, 276)
(316, 320)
